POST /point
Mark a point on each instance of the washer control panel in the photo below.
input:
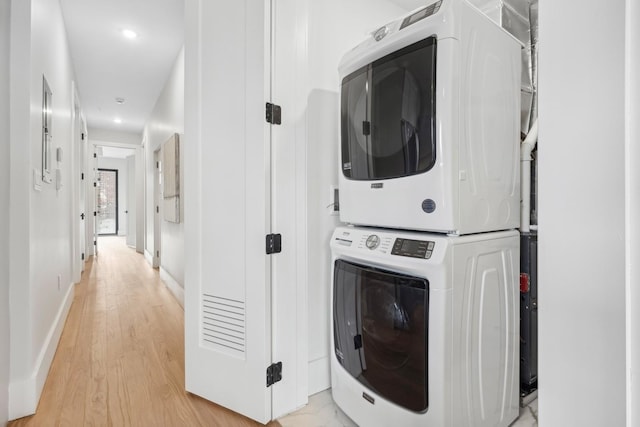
(413, 248)
(372, 241)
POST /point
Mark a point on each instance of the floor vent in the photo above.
(223, 324)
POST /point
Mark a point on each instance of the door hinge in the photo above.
(366, 128)
(83, 256)
(95, 243)
(82, 216)
(157, 209)
(274, 373)
(158, 254)
(274, 114)
(273, 244)
(83, 136)
(82, 176)
(95, 155)
(95, 213)
(357, 342)
(95, 184)
(157, 165)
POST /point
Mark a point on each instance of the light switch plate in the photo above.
(334, 201)
(37, 180)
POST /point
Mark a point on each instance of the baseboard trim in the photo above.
(319, 375)
(148, 257)
(175, 288)
(22, 398)
(24, 394)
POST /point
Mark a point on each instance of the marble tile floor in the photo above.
(323, 412)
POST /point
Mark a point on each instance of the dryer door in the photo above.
(381, 323)
(388, 115)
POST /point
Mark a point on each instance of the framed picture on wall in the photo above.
(171, 175)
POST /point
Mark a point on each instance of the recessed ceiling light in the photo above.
(117, 120)
(120, 101)
(130, 34)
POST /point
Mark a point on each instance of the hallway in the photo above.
(120, 360)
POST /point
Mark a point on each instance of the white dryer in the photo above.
(424, 328)
(430, 124)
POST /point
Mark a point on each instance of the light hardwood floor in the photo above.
(120, 361)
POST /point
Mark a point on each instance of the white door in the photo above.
(131, 201)
(227, 205)
(82, 238)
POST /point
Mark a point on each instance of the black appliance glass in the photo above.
(381, 321)
(388, 115)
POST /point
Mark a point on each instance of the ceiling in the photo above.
(110, 66)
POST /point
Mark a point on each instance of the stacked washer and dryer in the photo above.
(425, 288)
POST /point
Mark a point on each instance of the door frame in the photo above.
(131, 201)
(289, 275)
(82, 239)
(115, 233)
(139, 185)
(78, 161)
(157, 207)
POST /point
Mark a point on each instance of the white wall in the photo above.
(166, 119)
(582, 214)
(40, 234)
(633, 211)
(4, 211)
(350, 23)
(123, 176)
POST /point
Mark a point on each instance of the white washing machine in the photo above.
(424, 328)
(430, 124)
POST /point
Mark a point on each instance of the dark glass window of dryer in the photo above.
(388, 115)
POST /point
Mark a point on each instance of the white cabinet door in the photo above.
(227, 204)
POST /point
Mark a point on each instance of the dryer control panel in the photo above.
(413, 248)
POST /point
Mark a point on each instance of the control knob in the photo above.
(373, 241)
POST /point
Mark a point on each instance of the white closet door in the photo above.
(227, 204)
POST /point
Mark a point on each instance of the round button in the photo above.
(373, 241)
(381, 33)
(428, 205)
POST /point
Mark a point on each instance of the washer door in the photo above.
(380, 324)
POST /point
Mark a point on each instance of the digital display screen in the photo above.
(417, 16)
(410, 246)
(421, 14)
(413, 248)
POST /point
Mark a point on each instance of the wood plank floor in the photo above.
(120, 361)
